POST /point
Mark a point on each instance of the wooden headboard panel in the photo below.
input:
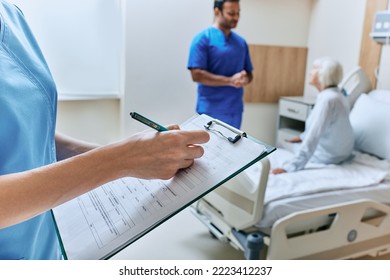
(278, 71)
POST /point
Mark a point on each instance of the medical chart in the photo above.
(103, 221)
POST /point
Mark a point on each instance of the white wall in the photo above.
(335, 30)
(82, 42)
(271, 22)
(383, 81)
(96, 121)
(383, 71)
(275, 22)
(158, 35)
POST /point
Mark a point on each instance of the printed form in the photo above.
(103, 221)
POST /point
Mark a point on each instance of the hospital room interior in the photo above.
(118, 56)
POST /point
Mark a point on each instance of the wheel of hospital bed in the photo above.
(233, 208)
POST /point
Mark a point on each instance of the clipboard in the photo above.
(102, 222)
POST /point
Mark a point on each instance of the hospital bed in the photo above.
(322, 212)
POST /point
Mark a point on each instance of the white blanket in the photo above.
(363, 170)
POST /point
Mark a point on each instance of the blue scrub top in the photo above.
(212, 51)
(28, 107)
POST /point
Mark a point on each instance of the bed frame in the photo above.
(339, 231)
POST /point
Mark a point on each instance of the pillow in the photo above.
(370, 120)
(381, 95)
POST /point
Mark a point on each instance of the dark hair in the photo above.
(219, 3)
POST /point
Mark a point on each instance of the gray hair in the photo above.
(330, 71)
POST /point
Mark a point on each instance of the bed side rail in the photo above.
(238, 202)
(339, 231)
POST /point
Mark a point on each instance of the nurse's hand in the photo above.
(159, 155)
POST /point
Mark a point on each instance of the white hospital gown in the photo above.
(328, 136)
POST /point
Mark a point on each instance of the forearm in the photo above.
(27, 194)
(146, 155)
(209, 79)
(204, 77)
(68, 147)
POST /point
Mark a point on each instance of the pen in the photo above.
(148, 122)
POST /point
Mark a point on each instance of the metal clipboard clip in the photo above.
(238, 134)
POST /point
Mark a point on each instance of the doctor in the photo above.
(32, 180)
(328, 136)
(220, 64)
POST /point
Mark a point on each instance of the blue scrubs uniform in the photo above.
(28, 105)
(212, 51)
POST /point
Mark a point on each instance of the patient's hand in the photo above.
(277, 171)
(295, 140)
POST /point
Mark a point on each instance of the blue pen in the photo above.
(148, 122)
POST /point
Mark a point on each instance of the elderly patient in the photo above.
(328, 136)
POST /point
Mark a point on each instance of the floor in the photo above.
(184, 237)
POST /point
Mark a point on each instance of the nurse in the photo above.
(40, 169)
(328, 136)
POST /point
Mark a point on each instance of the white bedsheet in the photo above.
(317, 182)
(363, 170)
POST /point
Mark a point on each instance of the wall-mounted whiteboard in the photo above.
(82, 42)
